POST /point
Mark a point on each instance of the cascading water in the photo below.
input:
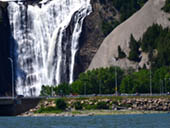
(46, 38)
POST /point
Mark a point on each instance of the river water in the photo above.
(113, 121)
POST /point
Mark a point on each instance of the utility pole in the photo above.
(150, 82)
(12, 68)
(165, 85)
(160, 87)
(99, 87)
(85, 88)
(115, 81)
(51, 90)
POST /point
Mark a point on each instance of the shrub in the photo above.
(90, 106)
(60, 104)
(78, 105)
(102, 105)
(62, 89)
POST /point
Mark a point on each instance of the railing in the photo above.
(90, 95)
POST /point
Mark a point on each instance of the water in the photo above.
(115, 121)
(46, 38)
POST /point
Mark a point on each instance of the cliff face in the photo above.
(5, 65)
(92, 34)
(106, 15)
(136, 25)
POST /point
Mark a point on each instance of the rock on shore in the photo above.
(130, 105)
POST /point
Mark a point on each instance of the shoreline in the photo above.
(92, 113)
(101, 106)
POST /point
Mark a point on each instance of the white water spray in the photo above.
(46, 38)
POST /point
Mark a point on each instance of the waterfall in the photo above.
(46, 37)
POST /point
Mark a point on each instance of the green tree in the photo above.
(60, 104)
(121, 54)
(166, 7)
(62, 89)
(134, 50)
(156, 42)
(136, 82)
(97, 81)
(45, 91)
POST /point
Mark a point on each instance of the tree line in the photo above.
(105, 80)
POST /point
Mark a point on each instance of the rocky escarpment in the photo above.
(136, 25)
(106, 15)
(5, 65)
(92, 34)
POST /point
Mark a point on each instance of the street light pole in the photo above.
(12, 68)
(51, 90)
(85, 88)
(100, 87)
(115, 81)
(150, 82)
(165, 85)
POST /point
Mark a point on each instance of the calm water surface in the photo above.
(114, 121)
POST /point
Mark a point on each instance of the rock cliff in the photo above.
(92, 34)
(136, 25)
(106, 15)
(5, 65)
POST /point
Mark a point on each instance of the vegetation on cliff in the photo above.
(121, 54)
(125, 8)
(155, 42)
(166, 8)
(134, 50)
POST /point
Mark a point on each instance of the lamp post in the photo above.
(85, 88)
(150, 82)
(51, 90)
(12, 68)
(166, 84)
(115, 81)
(100, 87)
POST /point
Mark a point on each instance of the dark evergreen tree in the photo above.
(134, 50)
(121, 54)
(166, 7)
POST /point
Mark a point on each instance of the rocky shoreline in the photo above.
(92, 113)
(121, 105)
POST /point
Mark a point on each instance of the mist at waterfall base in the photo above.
(46, 38)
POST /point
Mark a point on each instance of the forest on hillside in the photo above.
(125, 8)
(155, 42)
